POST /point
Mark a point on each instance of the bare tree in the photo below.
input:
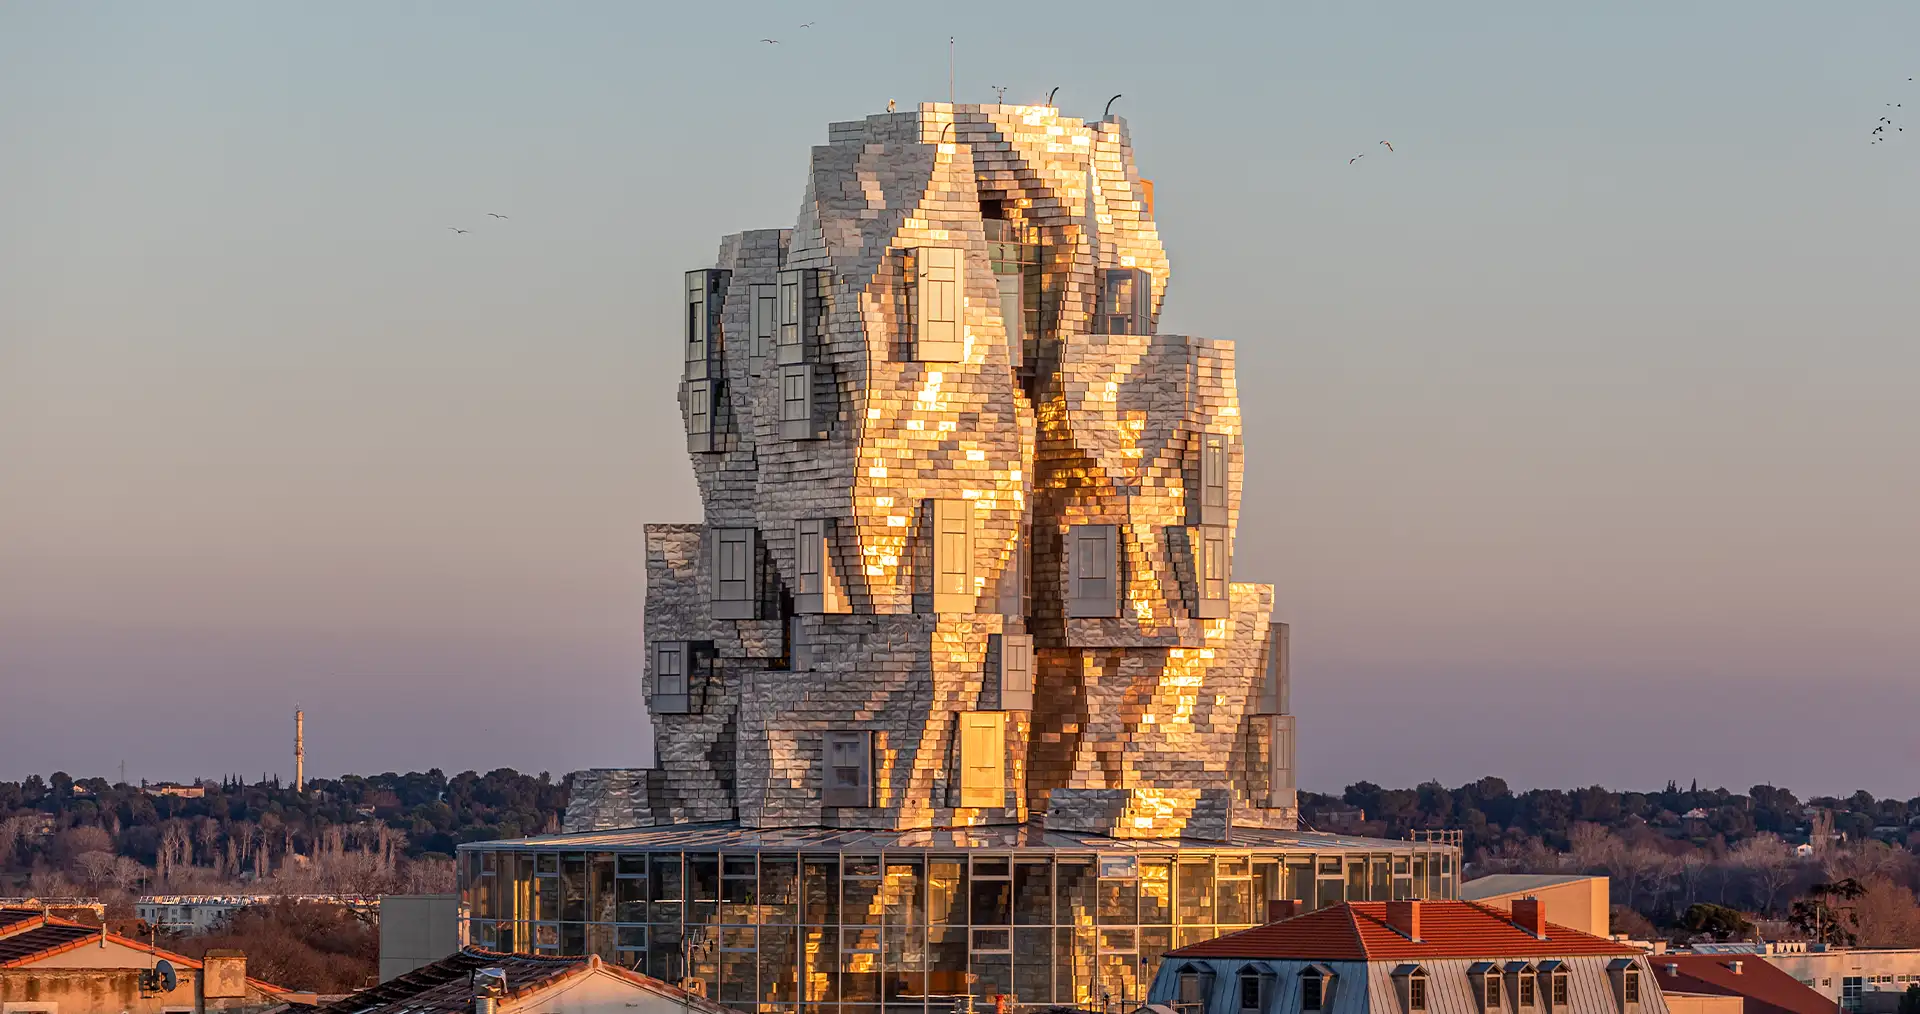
(128, 874)
(1770, 862)
(95, 868)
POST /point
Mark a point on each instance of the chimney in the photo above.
(1530, 915)
(1278, 910)
(223, 974)
(1404, 918)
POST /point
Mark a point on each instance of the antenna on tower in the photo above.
(299, 750)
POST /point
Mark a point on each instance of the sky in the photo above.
(1581, 427)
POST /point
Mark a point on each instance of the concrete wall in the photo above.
(417, 930)
(1826, 972)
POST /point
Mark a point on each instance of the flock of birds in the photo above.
(1886, 123)
(776, 42)
(1363, 154)
(462, 232)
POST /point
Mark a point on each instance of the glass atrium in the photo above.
(825, 921)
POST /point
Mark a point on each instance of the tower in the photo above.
(299, 750)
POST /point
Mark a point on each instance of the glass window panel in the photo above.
(736, 977)
(632, 938)
(546, 934)
(1118, 940)
(1154, 942)
(821, 975)
(861, 897)
(1033, 894)
(600, 941)
(573, 888)
(991, 901)
(1196, 892)
(739, 899)
(632, 903)
(994, 866)
(779, 978)
(947, 960)
(1234, 866)
(738, 866)
(704, 872)
(904, 960)
(602, 899)
(1033, 964)
(573, 938)
(822, 881)
(546, 862)
(993, 973)
(1357, 880)
(1380, 879)
(546, 898)
(1119, 902)
(947, 887)
(663, 951)
(779, 890)
(632, 865)
(1156, 893)
(1076, 897)
(1235, 902)
(905, 892)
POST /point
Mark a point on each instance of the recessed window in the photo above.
(1249, 992)
(1215, 571)
(797, 302)
(798, 418)
(849, 769)
(1093, 571)
(1016, 671)
(1492, 992)
(1313, 989)
(1526, 991)
(1126, 302)
(670, 665)
(734, 578)
(764, 318)
(983, 759)
(938, 276)
(817, 586)
(1215, 457)
(953, 590)
(1631, 991)
(1417, 992)
(1559, 987)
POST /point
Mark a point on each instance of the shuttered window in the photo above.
(953, 590)
(1281, 791)
(1215, 456)
(669, 678)
(1016, 672)
(848, 764)
(764, 318)
(1215, 571)
(797, 417)
(983, 761)
(937, 292)
(1093, 571)
(734, 591)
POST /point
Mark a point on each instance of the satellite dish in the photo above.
(161, 978)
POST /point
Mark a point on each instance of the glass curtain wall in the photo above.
(895, 931)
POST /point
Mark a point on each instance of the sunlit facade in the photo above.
(851, 922)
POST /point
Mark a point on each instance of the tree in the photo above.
(1824, 915)
(1770, 862)
(1885, 915)
(1910, 1001)
(1717, 921)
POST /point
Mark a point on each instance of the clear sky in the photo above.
(1582, 427)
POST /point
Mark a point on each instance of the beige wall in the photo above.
(603, 992)
(109, 991)
(1579, 904)
(1704, 1003)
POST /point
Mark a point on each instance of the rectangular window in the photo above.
(735, 590)
(796, 298)
(953, 590)
(1215, 459)
(1012, 312)
(1093, 571)
(937, 275)
(1215, 571)
(849, 769)
(983, 759)
(1249, 993)
(1526, 990)
(1281, 790)
(1126, 301)
(1417, 993)
(700, 415)
(1559, 989)
(670, 690)
(1632, 986)
(1490, 991)
(1312, 990)
(764, 318)
(1274, 688)
(817, 586)
(798, 420)
(701, 285)
(1016, 671)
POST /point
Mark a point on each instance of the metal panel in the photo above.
(1016, 671)
(983, 759)
(1216, 457)
(1275, 684)
(700, 415)
(798, 418)
(1215, 570)
(763, 318)
(671, 660)
(847, 769)
(735, 592)
(1281, 789)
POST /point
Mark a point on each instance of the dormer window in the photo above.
(1485, 976)
(1526, 991)
(1625, 973)
(1253, 990)
(1313, 987)
(1411, 983)
(1557, 993)
(1630, 991)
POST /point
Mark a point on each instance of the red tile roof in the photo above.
(1767, 988)
(59, 935)
(1358, 931)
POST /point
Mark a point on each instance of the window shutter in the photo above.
(1215, 571)
(848, 777)
(797, 416)
(735, 591)
(670, 659)
(1281, 792)
(983, 759)
(765, 318)
(700, 415)
(1215, 458)
(1016, 672)
(1093, 571)
(1274, 687)
(937, 292)
(953, 590)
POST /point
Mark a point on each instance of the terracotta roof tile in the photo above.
(37, 942)
(1768, 989)
(1358, 931)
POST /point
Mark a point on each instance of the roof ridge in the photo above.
(1353, 926)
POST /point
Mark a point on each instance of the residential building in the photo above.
(1571, 899)
(1408, 957)
(198, 913)
(1762, 987)
(52, 966)
(481, 982)
(1843, 975)
(952, 688)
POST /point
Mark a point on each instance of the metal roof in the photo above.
(729, 835)
(1513, 883)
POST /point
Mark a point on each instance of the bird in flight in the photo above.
(1356, 158)
(809, 24)
(492, 215)
(771, 42)
(1389, 145)
(460, 231)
